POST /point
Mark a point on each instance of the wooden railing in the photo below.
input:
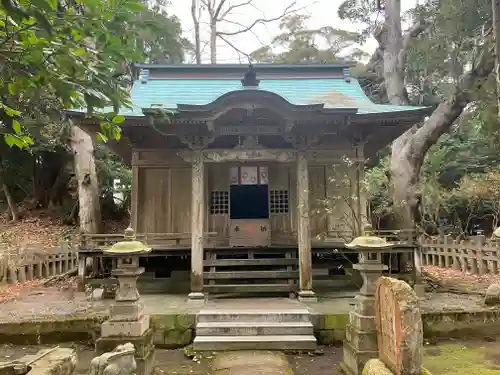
(91, 242)
(30, 264)
(476, 255)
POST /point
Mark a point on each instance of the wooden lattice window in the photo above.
(219, 203)
(278, 201)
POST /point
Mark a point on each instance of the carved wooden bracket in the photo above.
(197, 142)
(302, 142)
(242, 155)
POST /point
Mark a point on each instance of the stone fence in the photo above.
(29, 264)
(478, 255)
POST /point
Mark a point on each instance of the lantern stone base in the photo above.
(126, 311)
(354, 359)
(360, 344)
(111, 328)
(143, 344)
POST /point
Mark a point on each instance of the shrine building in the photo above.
(247, 173)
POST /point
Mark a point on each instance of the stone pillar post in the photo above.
(197, 226)
(304, 230)
(127, 321)
(360, 344)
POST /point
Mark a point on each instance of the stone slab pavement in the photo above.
(48, 303)
(251, 363)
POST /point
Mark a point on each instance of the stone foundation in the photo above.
(144, 348)
(172, 331)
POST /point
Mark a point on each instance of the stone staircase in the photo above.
(222, 330)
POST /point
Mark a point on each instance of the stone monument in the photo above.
(360, 344)
(399, 330)
(399, 327)
(127, 322)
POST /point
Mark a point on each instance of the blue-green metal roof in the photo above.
(332, 92)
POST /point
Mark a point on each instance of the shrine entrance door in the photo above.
(249, 207)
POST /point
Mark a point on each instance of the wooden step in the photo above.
(250, 262)
(249, 288)
(227, 275)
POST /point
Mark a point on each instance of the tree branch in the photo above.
(447, 112)
(288, 10)
(239, 51)
(219, 8)
(222, 17)
(412, 33)
(241, 25)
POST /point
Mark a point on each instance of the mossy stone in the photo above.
(335, 321)
(178, 338)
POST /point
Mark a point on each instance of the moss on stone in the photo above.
(335, 321)
(461, 324)
(51, 331)
(460, 359)
(173, 321)
(330, 336)
(178, 338)
(173, 330)
(375, 367)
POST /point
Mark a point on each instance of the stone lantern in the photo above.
(361, 333)
(127, 321)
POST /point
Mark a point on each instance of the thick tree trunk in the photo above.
(496, 32)
(88, 188)
(408, 151)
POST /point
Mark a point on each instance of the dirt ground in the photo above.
(174, 362)
(453, 357)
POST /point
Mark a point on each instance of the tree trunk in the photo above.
(14, 213)
(213, 41)
(496, 32)
(409, 150)
(88, 188)
(196, 22)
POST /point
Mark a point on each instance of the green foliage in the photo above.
(297, 44)
(57, 55)
(77, 52)
(161, 41)
(110, 167)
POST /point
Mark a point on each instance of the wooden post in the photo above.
(82, 268)
(304, 231)
(197, 221)
(134, 194)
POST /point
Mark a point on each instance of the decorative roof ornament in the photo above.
(347, 74)
(250, 78)
(144, 75)
(129, 245)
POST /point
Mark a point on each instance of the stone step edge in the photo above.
(254, 312)
(240, 324)
(258, 338)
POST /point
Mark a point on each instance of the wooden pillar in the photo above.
(304, 231)
(197, 226)
(134, 193)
